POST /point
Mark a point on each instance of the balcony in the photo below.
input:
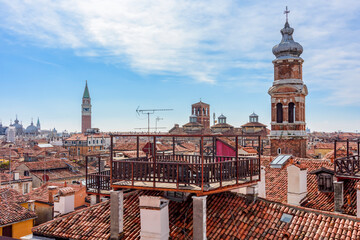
(347, 166)
(211, 166)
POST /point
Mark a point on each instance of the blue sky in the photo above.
(169, 54)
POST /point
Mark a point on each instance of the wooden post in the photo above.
(259, 153)
(214, 150)
(86, 172)
(202, 162)
(335, 150)
(173, 140)
(237, 158)
(347, 148)
(137, 147)
(154, 156)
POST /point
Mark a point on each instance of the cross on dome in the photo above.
(286, 12)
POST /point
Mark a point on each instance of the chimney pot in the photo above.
(297, 184)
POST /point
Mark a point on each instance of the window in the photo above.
(279, 151)
(291, 112)
(26, 173)
(279, 113)
(26, 188)
(325, 182)
(7, 231)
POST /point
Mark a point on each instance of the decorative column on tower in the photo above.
(288, 127)
(86, 110)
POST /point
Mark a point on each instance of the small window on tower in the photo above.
(279, 151)
(279, 113)
(291, 112)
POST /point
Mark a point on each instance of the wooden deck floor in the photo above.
(170, 186)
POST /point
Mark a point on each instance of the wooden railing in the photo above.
(347, 166)
(98, 181)
(186, 169)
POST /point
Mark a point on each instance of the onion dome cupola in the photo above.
(287, 47)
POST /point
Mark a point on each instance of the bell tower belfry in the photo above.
(86, 110)
(288, 92)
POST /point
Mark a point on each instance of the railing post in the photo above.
(259, 160)
(111, 160)
(137, 146)
(236, 158)
(251, 169)
(202, 163)
(335, 149)
(154, 156)
(177, 176)
(221, 173)
(173, 140)
(347, 148)
(132, 173)
(86, 172)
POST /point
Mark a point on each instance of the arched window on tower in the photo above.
(291, 112)
(279, 113)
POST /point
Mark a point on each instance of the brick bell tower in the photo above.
(86, 110)
(288, 92)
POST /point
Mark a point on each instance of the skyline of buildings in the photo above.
(180, 65)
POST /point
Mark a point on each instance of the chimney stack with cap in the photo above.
(297, 183)
(116, 214)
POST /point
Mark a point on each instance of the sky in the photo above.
(170, 54)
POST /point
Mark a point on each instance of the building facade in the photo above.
(288, 127)
(86, 110)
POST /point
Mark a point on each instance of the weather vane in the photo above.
(286, 12)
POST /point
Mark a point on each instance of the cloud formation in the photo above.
(200, 40)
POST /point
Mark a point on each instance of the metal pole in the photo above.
(335, 149)
(173, 140)
(86, 172)
(347, 148)
(259, 140)
(111, 160)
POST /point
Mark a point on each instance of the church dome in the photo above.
(31, 129)
(287, 47)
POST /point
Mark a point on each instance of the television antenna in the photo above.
(150, 111)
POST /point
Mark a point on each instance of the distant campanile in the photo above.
(288, 92)
(86, 110)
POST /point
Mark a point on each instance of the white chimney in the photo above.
(16, 176)
(297, 184)
(116, 214)
(199, 218)
(262, 184)
(154, 217)
(65, 201)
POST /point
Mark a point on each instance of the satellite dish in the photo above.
(45, 178)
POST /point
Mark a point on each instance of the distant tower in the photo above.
(202, 111)
(288, 127)
(86, 110)
(38, 124)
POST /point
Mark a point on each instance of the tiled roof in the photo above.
(229, 216)
(276, 187)
(253, 124)
(49, 164)
(11, 212)
(58, 174)
(12, 195)
(66, 190)
(41, 193)
(5, 178)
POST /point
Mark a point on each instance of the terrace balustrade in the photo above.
(197, 173)
(348, 166)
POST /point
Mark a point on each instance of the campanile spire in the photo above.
(86, 110)
(288, 92)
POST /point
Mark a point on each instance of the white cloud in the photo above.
(199, 39)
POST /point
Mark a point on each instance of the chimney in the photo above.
(52, 191)
(262, 184)
(297, 183)
(31, 205)
(116, 214)
(199, 218)
(154, 217)
(16, 176)
(339, 196)
(65, 202)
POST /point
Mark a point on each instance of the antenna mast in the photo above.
(150, 111)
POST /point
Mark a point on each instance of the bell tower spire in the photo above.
(288, 92)
(86, 110)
